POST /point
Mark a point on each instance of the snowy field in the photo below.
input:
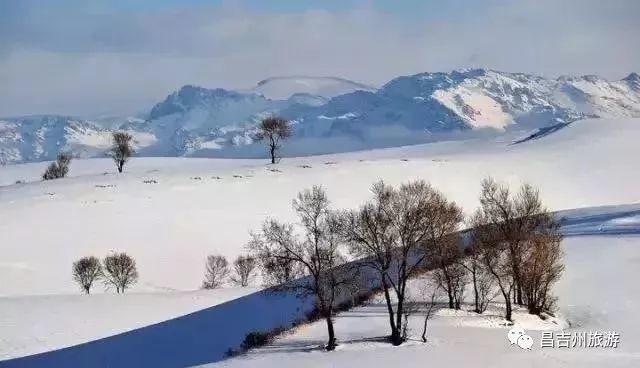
(170, 213)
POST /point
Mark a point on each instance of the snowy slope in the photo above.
(334, 115)
(202, 206)
(587, 301)
(35, 324)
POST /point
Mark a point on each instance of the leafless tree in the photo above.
(393, 232)
(119, 271)
(243, 267)
(430, 303)
(494, 255)
(542, 267)
(59, 168)
(121, 149)
(481, 281)
(216, 272)
(443, 247)
(274, 130)
(316, 252)
(520, 226)
(514, 218)
(86, 270)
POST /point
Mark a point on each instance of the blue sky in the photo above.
(91, 56)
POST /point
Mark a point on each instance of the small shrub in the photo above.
(59, 168)
(256, 339)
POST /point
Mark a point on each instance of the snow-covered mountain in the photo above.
(333, 114)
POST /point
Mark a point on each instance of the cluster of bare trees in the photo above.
(218, 271)
(117, 270)
(401, 232)
(517, 241)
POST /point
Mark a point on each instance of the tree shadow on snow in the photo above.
(197, 338)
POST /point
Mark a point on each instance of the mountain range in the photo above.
(332, 114)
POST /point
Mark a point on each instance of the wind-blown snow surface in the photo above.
(199, 206)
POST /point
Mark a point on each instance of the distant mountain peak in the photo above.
(283, 87)
(216, 122)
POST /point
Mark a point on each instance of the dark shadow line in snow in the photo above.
(193, 339)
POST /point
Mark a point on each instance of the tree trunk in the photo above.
(398, 336)
(120, 166)
(273, 154)
(331, 344)
(519, 292)
(508, 314)
(424, 329)
(475, 293)
(398, 339)
(387, 297)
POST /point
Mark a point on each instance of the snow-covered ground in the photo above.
(597, 293)
(197, 207)
(36, 324)
(170, 213)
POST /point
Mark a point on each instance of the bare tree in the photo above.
(121, 149)
(494, 256)
(520, 226)
(541, 269)
(316, 252)
(119, 270)
(274, 130)
(243, 267)
(216, 272)
(393, 232)
(86, 270)
(59, 168)
(482, 281)
(430, 303)
(443, 248)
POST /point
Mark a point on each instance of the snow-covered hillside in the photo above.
(169, 213)
(173, 212)
(333, 115)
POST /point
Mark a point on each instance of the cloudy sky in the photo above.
(85, 57)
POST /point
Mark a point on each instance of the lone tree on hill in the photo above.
(85, 271)
(121, 149)
(274, 130)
